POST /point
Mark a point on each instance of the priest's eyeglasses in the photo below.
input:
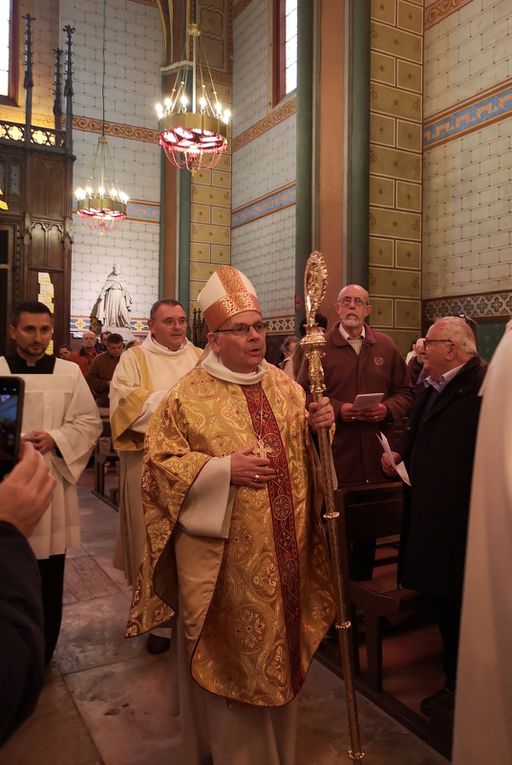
(242, 330)
(431, 342)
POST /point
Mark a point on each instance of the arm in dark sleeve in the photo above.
(400, 391)
(95, 381)
(21, 630)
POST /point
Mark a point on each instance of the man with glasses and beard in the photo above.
(358, 360)
(438, 451)
(235, 542)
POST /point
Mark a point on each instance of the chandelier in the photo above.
(102, 203)
(195, 139)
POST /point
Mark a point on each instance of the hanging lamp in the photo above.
(102, 203)
(193, 123)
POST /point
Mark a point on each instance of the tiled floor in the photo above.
(106, 700)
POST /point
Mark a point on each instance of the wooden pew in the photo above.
(373, 512)
(104, 453)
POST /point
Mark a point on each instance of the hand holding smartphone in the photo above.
(11, 414)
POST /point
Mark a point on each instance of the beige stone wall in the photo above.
(396, 167)
(467, 159)
(210, 221)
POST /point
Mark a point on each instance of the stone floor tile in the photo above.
(323, 735)
(126, 708)
(86, 580)
(92, 634)
(105, 561)
(55, 734)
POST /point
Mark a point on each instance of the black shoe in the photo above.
(440, 697)
(156, 644)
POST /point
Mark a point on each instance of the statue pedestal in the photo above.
(125, 333)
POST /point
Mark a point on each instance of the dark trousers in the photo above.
(52, 583)
(448, 619)
(362, 559)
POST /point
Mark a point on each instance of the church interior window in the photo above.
(285, 48)
(9, 51)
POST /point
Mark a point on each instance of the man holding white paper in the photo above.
(367, 382)
(368, 385)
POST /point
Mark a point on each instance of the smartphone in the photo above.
(11, 413)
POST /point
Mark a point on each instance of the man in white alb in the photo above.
(144, 374)
(60, 419)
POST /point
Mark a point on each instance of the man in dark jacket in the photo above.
(359, 360)
(24, 496)
(438, 451)
(102, 369)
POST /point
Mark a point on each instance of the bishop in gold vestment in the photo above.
(235, 542)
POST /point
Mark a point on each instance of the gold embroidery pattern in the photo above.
(242, 650)
(265, 577)
(236, 300)
(250, 627)
(281, 508)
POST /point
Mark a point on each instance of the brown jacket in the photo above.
(379, 368)
(99, 377)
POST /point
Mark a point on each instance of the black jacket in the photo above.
(438, 450)
(21, 630)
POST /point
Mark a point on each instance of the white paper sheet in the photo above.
(400, 468)
(366, 400)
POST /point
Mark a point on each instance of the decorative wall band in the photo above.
(267, 123)
(148, 212)
(81, 323)
(143, 212)
(481, 306)
(276, 326)
(239, 7)
(281, 325)
(117, 129)
(145, 2)
(259, 208)
(473, 115)
(441, 9)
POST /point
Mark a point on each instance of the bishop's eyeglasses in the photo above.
(242, 330)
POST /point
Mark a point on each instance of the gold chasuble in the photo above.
(256, 601)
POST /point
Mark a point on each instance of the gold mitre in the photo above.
(226, 293)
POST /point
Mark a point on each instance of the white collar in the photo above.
(348, 338)
(214, 366)
(443, 380)
(151, 345)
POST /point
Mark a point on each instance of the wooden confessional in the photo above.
(36, 165)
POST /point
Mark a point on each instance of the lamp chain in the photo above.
(103, 76)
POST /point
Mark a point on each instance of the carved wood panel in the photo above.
(39, 186)
(48, 189)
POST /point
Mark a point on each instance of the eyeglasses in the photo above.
(241, 330)
(427, 343)
(349, 300)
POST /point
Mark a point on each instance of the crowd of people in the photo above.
(220, 530)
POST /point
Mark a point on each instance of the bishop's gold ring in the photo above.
(256, 477)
